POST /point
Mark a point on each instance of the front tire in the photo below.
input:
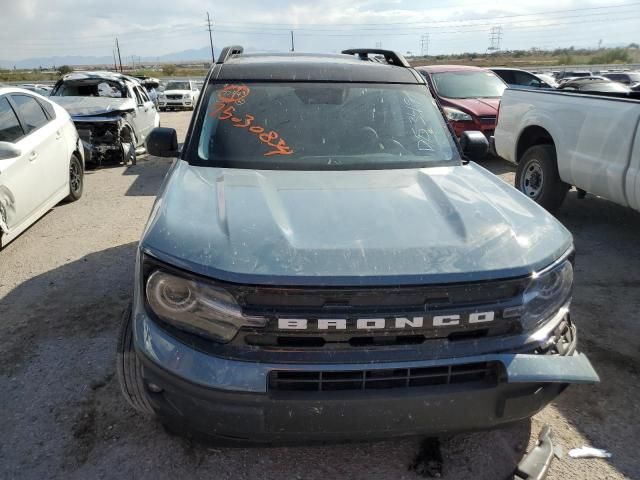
(538, 178)
(129, 368)
(76, 179)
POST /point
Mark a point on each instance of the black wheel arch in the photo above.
(531, 136)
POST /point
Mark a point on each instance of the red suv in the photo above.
(469, 95)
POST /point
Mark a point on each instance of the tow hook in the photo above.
(535, 465)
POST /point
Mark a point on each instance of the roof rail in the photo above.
(228, 51)
(392, 58)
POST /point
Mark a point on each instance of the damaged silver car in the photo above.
(112, 113)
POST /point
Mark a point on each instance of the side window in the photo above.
(10, 129)
(143, 94)
(138, 97)
(527, 79)
(51, 113)
(30, 112)
(507, 76)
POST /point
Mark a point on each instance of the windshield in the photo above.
(102, 88)
(468, 84)
(322, 126)
(178, 86)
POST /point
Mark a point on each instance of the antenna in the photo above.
(495, 36)
(424, 44)
(213, 59)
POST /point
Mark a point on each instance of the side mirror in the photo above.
(163, 142)
(8, 151)
(475, 145)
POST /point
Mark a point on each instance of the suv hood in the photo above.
(89, 106)
(432, 225)
(478, 107)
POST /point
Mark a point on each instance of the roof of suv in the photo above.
(308, 67)
(450, 68)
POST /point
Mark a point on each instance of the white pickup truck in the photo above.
(560, 139)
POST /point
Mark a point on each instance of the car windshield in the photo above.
(102, 88)
(178, 86)
(313, 126)
(468, 84)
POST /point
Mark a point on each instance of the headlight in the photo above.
(546, 294)
(197, 307)
(456, 115)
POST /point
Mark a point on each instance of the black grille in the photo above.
(484, 372)
(488, 119)
(174, 97)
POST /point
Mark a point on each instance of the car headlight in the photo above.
(197, 307)
(546, 294)
(456, 115)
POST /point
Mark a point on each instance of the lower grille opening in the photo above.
(456, 336)
(386, 340)
(300, 342)
(482, 372)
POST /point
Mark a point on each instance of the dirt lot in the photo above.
(65, 281)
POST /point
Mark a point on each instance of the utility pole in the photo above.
(293, 48)
(424, 44)
(115, 64)
(213, 58)
(119, 57)
(495, 36)
(378, 44)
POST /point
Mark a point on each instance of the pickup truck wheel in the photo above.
(129, 368)
(538, 178)
(76, 179)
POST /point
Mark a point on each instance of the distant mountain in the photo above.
(192, 55)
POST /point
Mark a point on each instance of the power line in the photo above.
(213, 58)
(491, 18)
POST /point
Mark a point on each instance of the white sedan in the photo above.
(41, 160)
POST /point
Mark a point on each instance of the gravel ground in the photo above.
(65, 281)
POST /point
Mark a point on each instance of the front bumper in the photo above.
(183, 103)
(231, 398)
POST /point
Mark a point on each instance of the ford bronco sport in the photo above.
(324, 263)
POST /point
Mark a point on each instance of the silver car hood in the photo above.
(431, 225)
(89, 106)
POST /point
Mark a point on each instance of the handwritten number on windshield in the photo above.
(224, 109)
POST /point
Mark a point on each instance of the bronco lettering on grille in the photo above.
(386, 323)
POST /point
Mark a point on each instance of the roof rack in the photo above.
(392, 58)
(228, 52)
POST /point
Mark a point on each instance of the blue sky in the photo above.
(34, 28)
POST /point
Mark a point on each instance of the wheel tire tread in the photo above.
(554, 189)
(129, 368)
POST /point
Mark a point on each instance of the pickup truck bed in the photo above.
(560, 139)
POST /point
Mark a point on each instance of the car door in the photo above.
(50, 156)
(21, 178)
(145, 113)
